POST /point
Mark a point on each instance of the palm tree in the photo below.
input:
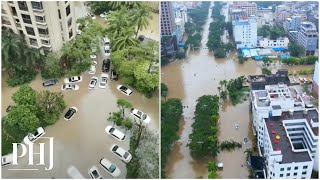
(119, 23)
(121, 4)
(124, 42)
(142, 16)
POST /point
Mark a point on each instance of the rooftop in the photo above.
(275, 127)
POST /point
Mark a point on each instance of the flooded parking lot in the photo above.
(82, 142)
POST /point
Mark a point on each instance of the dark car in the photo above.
(141, 38)
(50, 82)
(106, 65)
(114, 75)
(9, 108)
(70, 113)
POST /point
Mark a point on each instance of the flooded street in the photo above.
(199, 75)
(82, 142)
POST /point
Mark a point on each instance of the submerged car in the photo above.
(141, 116)
(31, 138)
(73, 79)
(114, 75)
(93, 82)
(124, 90)
(124, 155)
(70, 113)
(70, 87)
(115, 133)
(106, 65)
(91, 15)
(50, 82)
(93, 67)
(103, 80)
(94, 173)
(111, 168)
(107, 51)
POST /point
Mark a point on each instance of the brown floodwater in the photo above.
(199, 74)
(82, 142)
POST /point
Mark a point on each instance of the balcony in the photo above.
(38, 13)
(34, 44)
(48, 45)
(44, 36)
(39, 22)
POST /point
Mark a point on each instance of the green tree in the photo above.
(296, 50)
(25, 96)
(164, 90)
(127, 123)
(266, 71)
(50, 105)
(142, 16)
(118, 23)
(123, 42)
(220, 53)
(24, 118)
(124, 4)
(52, 69)
(122, 105)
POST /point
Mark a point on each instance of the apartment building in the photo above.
(44, 24)
(245, 32)
(168, 30)
(292, 23)
(268, 43)
(281, 14)
(249, 8)
(308, 37)
(286, 131)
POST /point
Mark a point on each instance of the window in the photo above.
(36, 5)
(305, 167)
(33, 41)
(40, 19)
(43, 31)
(44, 42)
(23, 5)
(69, 22)
(68, 10)
(30, 31)
(281, 169)
(288, 174)
(281, 175)
(304, 173)
(26, 18)
(295, 174)
(296, 168)
(288, 168)
(70, 34)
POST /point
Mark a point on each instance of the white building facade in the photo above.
(287, 132)
(45, 24)
(308, 37)
(245, 32)
(280, 42)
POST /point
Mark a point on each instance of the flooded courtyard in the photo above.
(82, 142)
(199, 74)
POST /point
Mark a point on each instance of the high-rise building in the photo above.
(245, 32)
(168, 30)
(292, 23)
(281, 14)
(308, 37)
(44, 24)
(249, 8)
(286, 131)
(180, 19)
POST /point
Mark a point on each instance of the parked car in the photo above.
(111, 168)
(93, 67)
(106, 65)
(93, 82)
(6, 160)
(115, 133)
(91, 15)
(50, 82)
(70, 87)
(141, 116)
(107, 51)
(103, 80)
(106, 41)
(121, 153)
(141, 38)
(94, 173)
(70, 113)
(104, 14)
(9, 108)
(31, 138)
(124, 90)
(114, 75)
(73, 79)
(74, 173)
(309, 106)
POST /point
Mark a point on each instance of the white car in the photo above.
(6, 160)
(103, 80)
(93, 82)
(73, 79)
(124, 90)
(31, 138)
(121, 153)
(111, 168)
(70, 113)
(106, 41)
(107, 51)
(70, 87)
(94, 173)
(93, 56)
(141, 116)
(115, 133)
(74, 173)
(93, 67)
(91, 15)
(104, 14)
